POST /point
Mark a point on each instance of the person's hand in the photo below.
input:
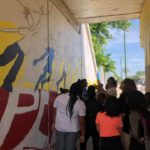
(101, 86)
(141, 140)
(82, 139)
(53, 127)
(95, 85)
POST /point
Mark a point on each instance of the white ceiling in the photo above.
(87, 11)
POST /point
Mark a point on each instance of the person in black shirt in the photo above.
(92, 108)
(127, 85)
(84, 89)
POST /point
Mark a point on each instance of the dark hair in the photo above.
(102, 95)
(83, 80)
(112, 81)
(136, 101)
(62, 90)
(91, 91)
(75, 92)
(129, 85)
(147, 94)
(112, 106)
(79, 81)
(101, 98)
(83, 83)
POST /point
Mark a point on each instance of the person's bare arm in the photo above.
(120, 131)
(97, 127)
(82, 128)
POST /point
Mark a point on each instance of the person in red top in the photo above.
(109, 125)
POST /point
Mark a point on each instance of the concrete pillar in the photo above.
(145, 39)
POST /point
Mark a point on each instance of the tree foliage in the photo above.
(137, 77)
(120, 25)
(100, 35)
(105, 61)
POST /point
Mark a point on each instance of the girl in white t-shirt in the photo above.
(110, 88)
(69, 118)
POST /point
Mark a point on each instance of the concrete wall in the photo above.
(39, 52)
(89, 68)
(145, 39)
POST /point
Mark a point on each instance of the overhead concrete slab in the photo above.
(91, 11)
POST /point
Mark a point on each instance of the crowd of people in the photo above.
(94, 111)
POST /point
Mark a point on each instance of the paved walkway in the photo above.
(89, 145)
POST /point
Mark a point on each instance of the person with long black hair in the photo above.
(109, 125)
(69, 118)
(127, 85)
(92, 108)
(110, 88)
(139, 122)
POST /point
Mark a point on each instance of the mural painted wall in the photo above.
(39, 53)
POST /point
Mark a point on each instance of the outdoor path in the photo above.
(89, 145)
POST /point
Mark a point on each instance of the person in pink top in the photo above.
(109, 125)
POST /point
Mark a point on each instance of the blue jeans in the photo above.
(66, 140)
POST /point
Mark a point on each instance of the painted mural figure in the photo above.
(49, 53)
(17, 49)
(63, 76)
(11, 52)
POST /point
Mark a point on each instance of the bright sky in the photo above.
(135, 54)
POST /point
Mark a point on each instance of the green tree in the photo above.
(126, 71)
(140, 73)
(123, 25)
(137, 77)
(118, 78)
(105, 61)
(120, 25)
(100, 36)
